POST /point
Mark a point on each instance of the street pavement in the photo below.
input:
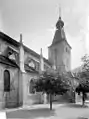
(60, 111)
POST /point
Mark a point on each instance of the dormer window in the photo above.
(9, 53)
(12, 57)
(31, 63)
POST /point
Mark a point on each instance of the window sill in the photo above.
(37, 93)
(30, 94)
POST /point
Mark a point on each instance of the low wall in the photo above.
(67, 97)
(34, 99)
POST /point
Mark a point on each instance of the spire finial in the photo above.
(59, 11)
(60, 23)
(21, 38)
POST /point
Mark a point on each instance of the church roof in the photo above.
(59, 33)
(9, 39)
(7, 61)
(36, 54)
(59, 37)
(17, 44)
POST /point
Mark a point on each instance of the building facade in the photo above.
(20, 66)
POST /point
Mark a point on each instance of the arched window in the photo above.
(31, 87)
(6, 81)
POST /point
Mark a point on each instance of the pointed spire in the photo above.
(21, 54)
(59, 12)
(21, 39)
(59, 34)
(41, 61)
(59, 23)
(41, 52)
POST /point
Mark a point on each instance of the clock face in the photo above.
(31, 63)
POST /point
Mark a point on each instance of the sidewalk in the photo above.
(38, 106)
(42, 111)
(35, 106)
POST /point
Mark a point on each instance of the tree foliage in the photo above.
(51, 83)
(85, 60)
(83, 77)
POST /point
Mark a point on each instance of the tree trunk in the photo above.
(83, 99)
(50, 97)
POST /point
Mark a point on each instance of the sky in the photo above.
(36, 20)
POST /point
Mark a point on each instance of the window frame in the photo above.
(8, 72)
(29, 84)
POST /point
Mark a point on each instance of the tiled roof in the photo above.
(9, 39)
(33, 53)
(17, 44)
(59, 37)
(7, 61)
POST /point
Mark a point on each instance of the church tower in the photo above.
(59, 52)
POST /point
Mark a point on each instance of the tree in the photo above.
(51, 84)
(83, 88)
(85, 60)
(83, 77)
